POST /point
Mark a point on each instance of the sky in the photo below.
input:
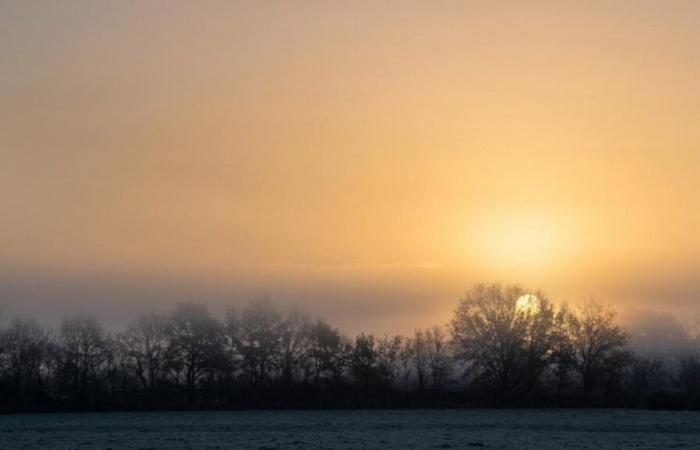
(369, 160)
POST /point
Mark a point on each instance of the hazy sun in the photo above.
(528, 304)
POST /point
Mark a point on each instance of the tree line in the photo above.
(503, 347)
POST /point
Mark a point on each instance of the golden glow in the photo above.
(527, 304)
(528, 242)
(331, 146)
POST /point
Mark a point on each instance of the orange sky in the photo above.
(374, 160)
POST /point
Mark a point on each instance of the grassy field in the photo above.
(418, 429)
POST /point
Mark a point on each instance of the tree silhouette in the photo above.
(260, 341)
(195, 344)
(144, 345)
(599, 346)
(25, 346)
(260, 356)
(82, 353)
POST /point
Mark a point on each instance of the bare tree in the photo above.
(260, 341)
(232, 342)
(540, 339)
(24, 346)
(406, 363)
(421, 358)
(195, 344)
(562, 352)
(325, 352)
(388, 362)
(363, 359)
(599, 345)
(82, 355)
(144, 345)
(294, 345)
(505, 345)
(438, 356)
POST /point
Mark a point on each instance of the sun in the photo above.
(527, 304)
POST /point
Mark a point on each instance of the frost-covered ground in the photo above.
(418, 429)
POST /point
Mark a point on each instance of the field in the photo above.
(394, 429)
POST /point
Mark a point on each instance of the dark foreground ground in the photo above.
(393, 429)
